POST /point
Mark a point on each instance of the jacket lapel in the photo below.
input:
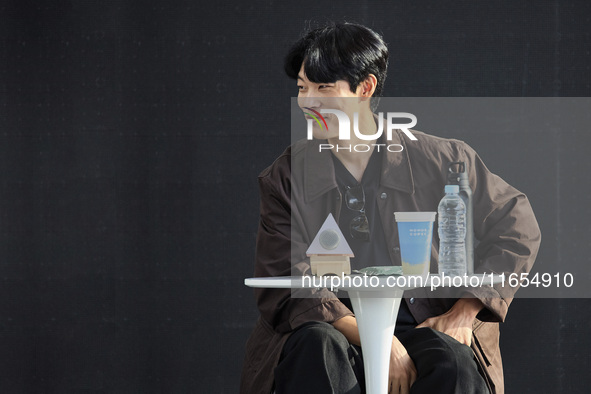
(319, 177)
(396, 169)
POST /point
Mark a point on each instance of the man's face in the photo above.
(330, 95)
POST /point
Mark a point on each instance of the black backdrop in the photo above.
(131, 135)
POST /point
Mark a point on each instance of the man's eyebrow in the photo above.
(302, 79)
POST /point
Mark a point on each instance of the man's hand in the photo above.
(457, 322)
(402, 369)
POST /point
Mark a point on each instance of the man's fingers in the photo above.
(400, 385)
(402, 370)
(413, 378)
(424, 324)
(404, 387)
(393, 388)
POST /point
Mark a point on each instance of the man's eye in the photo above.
(300, 87)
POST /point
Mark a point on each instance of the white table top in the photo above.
(369, 283)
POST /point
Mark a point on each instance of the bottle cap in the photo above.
(452, 189)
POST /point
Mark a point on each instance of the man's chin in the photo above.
(323, 135)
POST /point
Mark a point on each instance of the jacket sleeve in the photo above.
(286, 309)
(506, 231)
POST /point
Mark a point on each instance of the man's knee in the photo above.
(437, 350)
(317, 336)
(322, 354)
(443, 362)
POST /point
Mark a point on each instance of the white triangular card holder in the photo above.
(329, 252)
(330, 240)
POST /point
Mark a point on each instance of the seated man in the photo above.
(311, 345)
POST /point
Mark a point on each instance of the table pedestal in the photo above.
(376, 314)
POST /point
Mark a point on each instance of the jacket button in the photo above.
(383, 196)
(412, 300)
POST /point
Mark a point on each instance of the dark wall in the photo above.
(131, 135)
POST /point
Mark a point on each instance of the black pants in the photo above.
(317, 358)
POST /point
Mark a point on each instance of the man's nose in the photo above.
(308, 100)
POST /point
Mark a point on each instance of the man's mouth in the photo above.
(325, 116)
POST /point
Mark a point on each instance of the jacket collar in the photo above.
(319, 176)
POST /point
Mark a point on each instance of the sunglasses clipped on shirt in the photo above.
(355, 200)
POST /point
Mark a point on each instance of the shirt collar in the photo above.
(319, 176)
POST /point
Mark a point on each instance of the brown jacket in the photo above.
(299, 190)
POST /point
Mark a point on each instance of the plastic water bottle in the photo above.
(458, 175)
(452, 232)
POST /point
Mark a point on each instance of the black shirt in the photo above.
(374, 251)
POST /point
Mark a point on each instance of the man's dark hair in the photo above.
(341, 51)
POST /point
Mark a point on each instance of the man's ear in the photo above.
(367, 87)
